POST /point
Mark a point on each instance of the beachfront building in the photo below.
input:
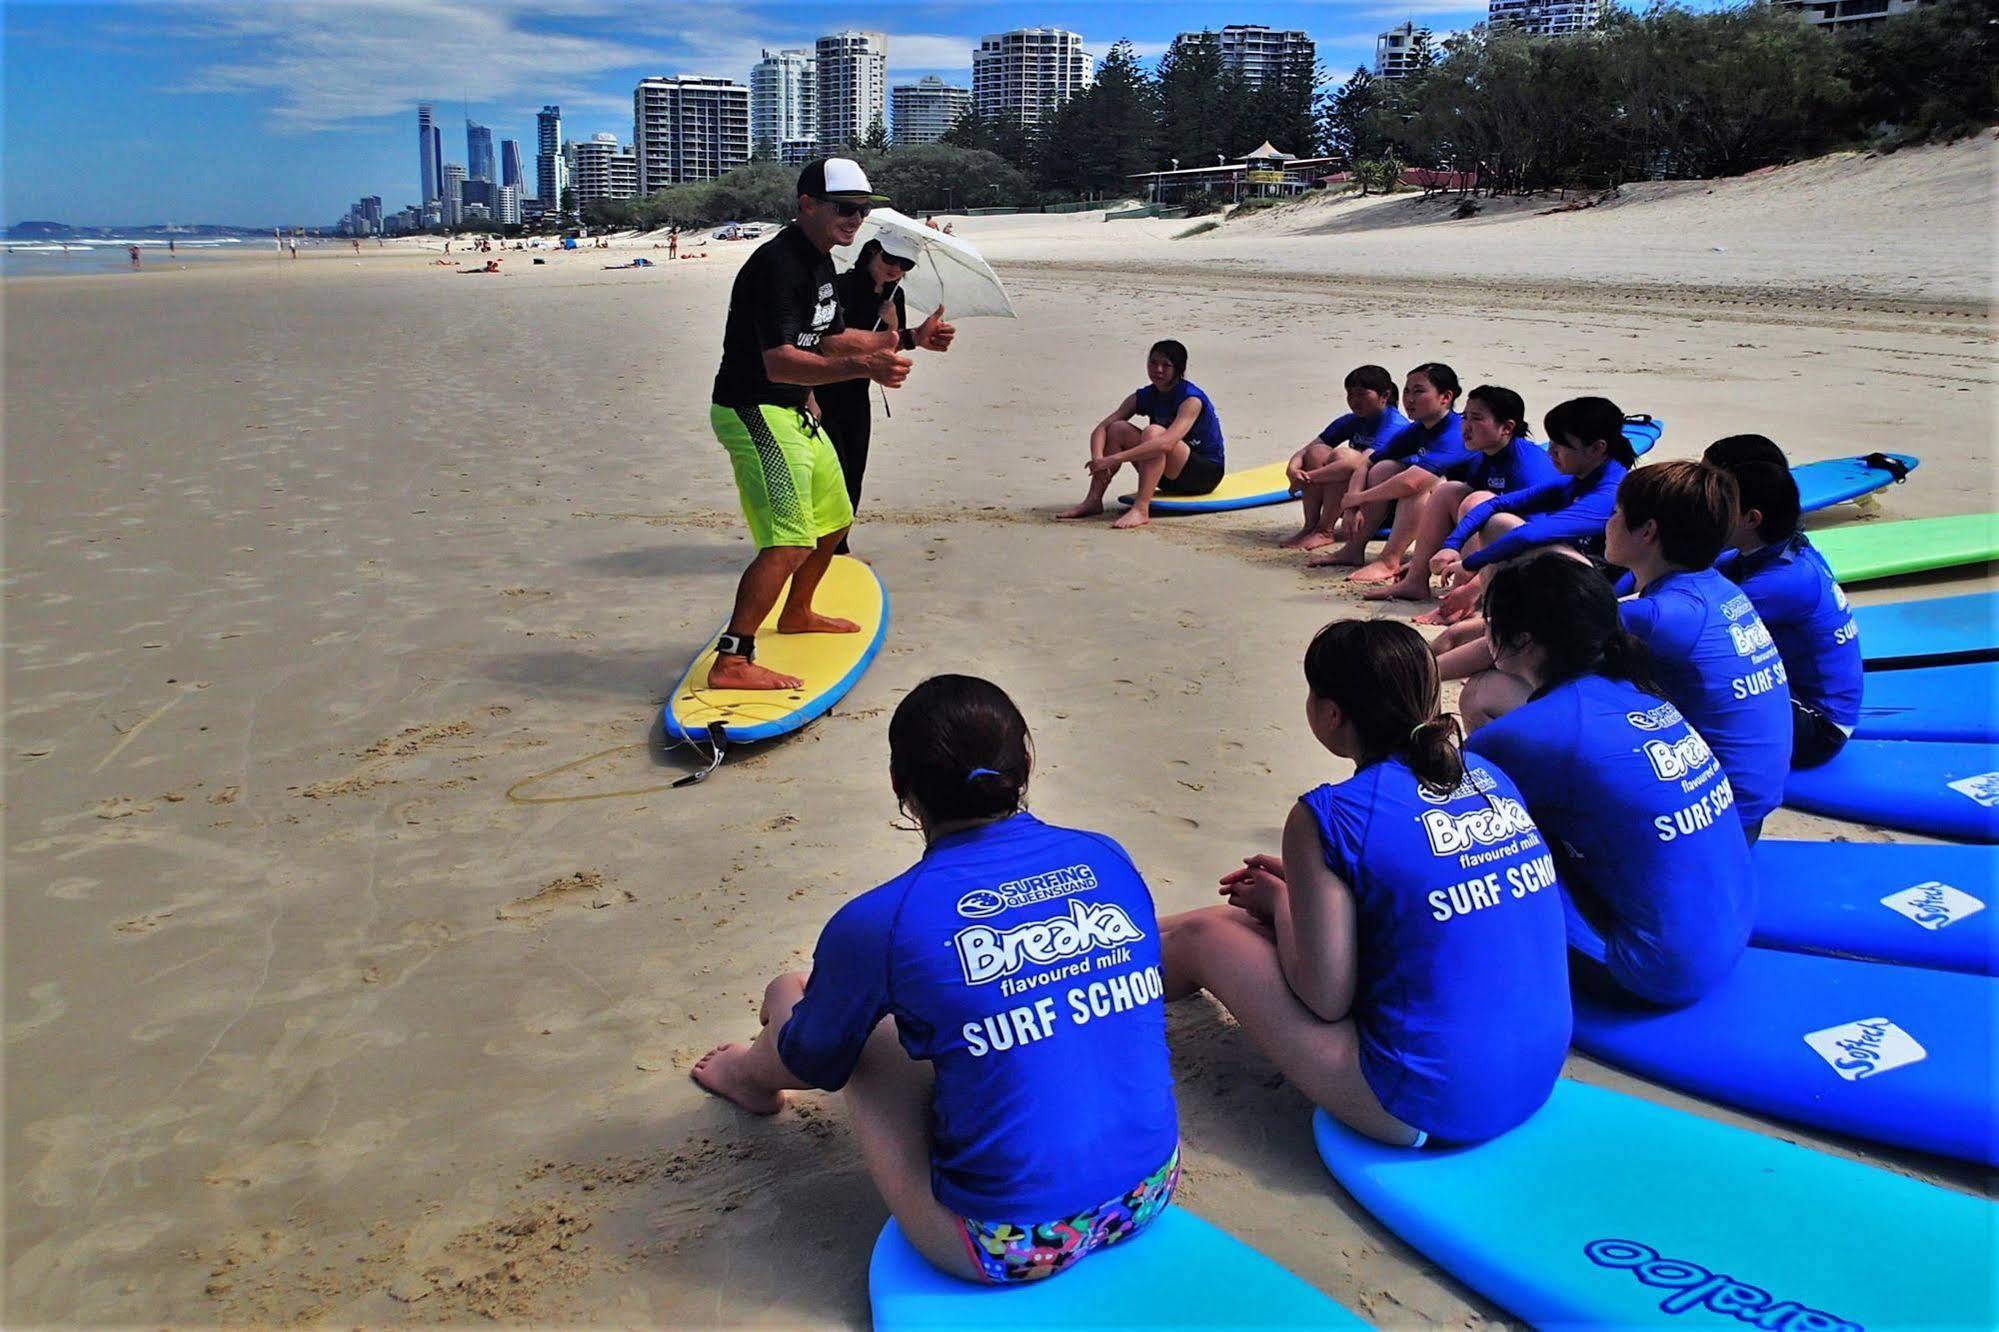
(451, 194)
(689, 127)
(925, 109)
(1844, 16)
(1544, 18)
(1265, 173)
(429, 151)
(784, 116)
(1394, 52)
(549, 178)
(507, 208)
(1259, 53)
(1027, 73)
(600, 169)
(510, 163)
(479, 152)
(850, 72)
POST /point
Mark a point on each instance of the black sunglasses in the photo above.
(845, 209)
(898, 264)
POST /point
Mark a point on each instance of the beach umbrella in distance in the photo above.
(949, 270)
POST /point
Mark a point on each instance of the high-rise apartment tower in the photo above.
(689, 128)
(1027, 73)
(851, 87)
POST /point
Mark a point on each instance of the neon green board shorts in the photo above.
(787, 474)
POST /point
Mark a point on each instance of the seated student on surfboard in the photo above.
(1505, 461)
(1794, 591)
(1335, 460)
(1178, 452)
(993, 1014)
(1429, 449)
(1656, 876)
(1402, 961)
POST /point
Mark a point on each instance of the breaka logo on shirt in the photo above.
(1681, 758)
(987, 954)
(1984, 788)
(1866, 1048)
(1504, 819)
(1655, 719)
(1933, 905)
(1695, 1287)
(983, 902)
(1750, 638)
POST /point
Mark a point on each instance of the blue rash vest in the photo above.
(1438, 449)
(1794, 591)
(1644, 827)
(1521, 465)
(1205, 437)
(1461, 998)
(1021, 960)
(1362, 433)
(1567, 509)
(1714, 658)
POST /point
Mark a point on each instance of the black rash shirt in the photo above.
(782, 297)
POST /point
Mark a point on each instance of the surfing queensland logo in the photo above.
(1450, 834)
(1866, 1048)
(1476, 781)
(1655, 719)
(981, 903)
(1691, 1287)
(987, 954)
(1933, 905)
(1680, 758)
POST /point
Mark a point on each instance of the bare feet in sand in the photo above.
(1381, 571)
(1401, 590)
(811, 622)
(1083, 510)
(1316, 540)
(736, 673)
(1296, 541)
(1341, 557)
(1131, 518)
(724, 1071)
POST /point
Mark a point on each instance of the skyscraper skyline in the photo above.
(510, 162)
(478, 151)
(850, 71)
(548, 163)
(428, 166)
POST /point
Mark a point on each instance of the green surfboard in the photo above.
(1884, 550)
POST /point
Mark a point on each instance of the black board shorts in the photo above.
(1198, 477)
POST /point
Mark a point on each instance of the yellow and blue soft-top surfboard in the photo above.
(829, 664)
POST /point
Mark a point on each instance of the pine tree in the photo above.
(877, 137)
(1348, 122)
(1194, 117)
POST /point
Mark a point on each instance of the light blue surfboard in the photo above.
(1941, 788)
(1912, 903)
(1605, 1211)
(1930, 631)
(1932, 703)
(1256, 487)
(1179, 1272)
(1899, 1055)
(1837, 480)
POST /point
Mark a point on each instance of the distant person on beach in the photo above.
(1505, 460)
(1796, 595)
(1335, 461)
(673, 243)
(357, 245)
(170, 245)
(1427, 451)
(1009, 1137)
(1178, 452)
(1657, 885)
(870, 296)
(783, 338)
(1402, 961)
(133, 250)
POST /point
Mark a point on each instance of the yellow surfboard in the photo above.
(829, 664)
(1248, 489)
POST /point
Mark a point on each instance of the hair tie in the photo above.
(977, 773)
(1417, 730)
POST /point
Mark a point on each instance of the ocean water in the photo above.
(45, 257)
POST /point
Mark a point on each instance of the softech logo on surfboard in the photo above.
(1693, 1287)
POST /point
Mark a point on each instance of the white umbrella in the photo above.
(949, 270)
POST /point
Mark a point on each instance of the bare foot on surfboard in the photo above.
(812, 622)
(735, 673)
(721, 1071)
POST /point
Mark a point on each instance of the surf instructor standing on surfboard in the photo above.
(784, 335)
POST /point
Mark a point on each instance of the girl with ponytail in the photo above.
(1401, 961)
(1656, 877)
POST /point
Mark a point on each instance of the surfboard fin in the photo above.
(718, 745)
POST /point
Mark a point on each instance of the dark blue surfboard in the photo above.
(1913, 903)
(1932, 703)
(1899, 1055)
(1941, 788)
(1931, 631)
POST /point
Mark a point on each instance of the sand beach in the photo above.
(356, 949)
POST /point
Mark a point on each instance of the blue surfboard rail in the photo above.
(810, 711)
(1179, 1272)
(1911, 903)
(1891, 1054)
(1940, 788)
(1606, 1211)
(1932, 703)
(1929, 632)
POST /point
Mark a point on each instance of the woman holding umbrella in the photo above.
(870, 296)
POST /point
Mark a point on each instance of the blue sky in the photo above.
(252, 112)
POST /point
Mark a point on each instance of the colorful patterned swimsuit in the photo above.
(1007, 1251)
